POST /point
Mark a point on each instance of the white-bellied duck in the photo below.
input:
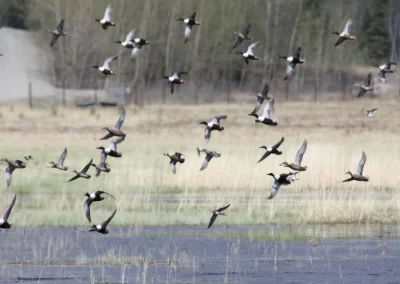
(370, 113)
(12, 165)
(358, 176)
(365, 87)
(209, 156)
(112, 148)
(216, 213)
(383, 69)
(174, 159)
(279, 180)
(133, 43)
(292, 62)
(249, 54)
(189, 23)
(261, 97)
(345, 34)
(82, 173)
(296, 166)
(266, 117)
(174, 79)
(105, 69)
(60, 163)
(116, 130)
(214, 124)
(102, 228)
(242, 36)
(106, 21)
(4, 221)
(59, 31)
(271, 150)
(93, 197)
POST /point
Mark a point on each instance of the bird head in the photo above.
(105, 128)
(253, 114)
(263, 147)
(95, 67)
(347, 173)
(52, 163)
(75, 171)
(101, 148)
(239, 52)
(203, 122)
(87, 194)
(118, 41)
(97, 20)
(284, 57)
(165, 77)
(271, 174)
(93, 228)
(336, 33)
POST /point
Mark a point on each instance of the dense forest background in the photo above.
(281, 26)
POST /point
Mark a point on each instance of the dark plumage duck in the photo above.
(174, 159)
(106, 21)
(358, 176)
(249, 54)
(174, 79)
(292, 62)
(271, 150)
(296, 166)
(242, 36)
(60, 163)
(383, 69)
(93, 197)
(260, 98)
(82, 173)
(116, 130)
(59, 31)
(266, 117)
(105, 69)
(279, 180)
(102, 228)
(112, 148)
(189, 23)
(12, 165)
(365, 87)
(216, 213)
(345, 34)
(209, 156)
(214, 124)
(4, 221)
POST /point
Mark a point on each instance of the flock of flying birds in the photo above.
(136, 43)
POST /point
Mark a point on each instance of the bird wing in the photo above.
(130, 35)
(120, 120)
(74, 178)
(85, 169)
(266, 154)
(361, 164)
(108, 61)
(238, 41)
(361, 93)
(247, 30)
(60, 26)
(217, 118)
(54, 39)
(300, 153)
(8, 211)
(268, 108)
(274, 190)
(207, 159)
(212, 220)
(289, 70)
(188, 29)
(347, 27)
(134, 52)
(171, 86)
(340, 40)
(252, 46)
(257, 107)
(107, 13)
(172, 164)
(99, 192)
(207, 134)
(86, 207)
(298, 52)
(368, 80)
(276, 146)
(382, 75)
(103, 158)
(109, 135)
(62, 157)
(178, 74)
(372, 110)
(265, 91)
(347, 180)
(223, 208)
(9, 171)
(105, 223)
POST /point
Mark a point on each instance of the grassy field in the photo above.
(149, 194)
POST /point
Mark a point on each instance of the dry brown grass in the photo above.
(337, 133)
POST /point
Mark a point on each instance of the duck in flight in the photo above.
(345, 34)
(112, 148)
(292, 62)
(174, 159)
(383, 69)
(266, 117)
(174, 79)
(93, 197)
(249, 54)
(209, 156)
(370, 113)
(358, 176)
(60, 163)
(216, 213)
(59, 31)
(102, 228)
(82, 173)
(279, 180)
(272, 150)
(106, 21)
(102, 166)
(366, 87)
(240, 37)
(12, 165)
(296, 166)
(116, 130)
(214, 124)
(133, 43)
(261, 97)
(4, 221)
(105, 69)
(189, 23)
